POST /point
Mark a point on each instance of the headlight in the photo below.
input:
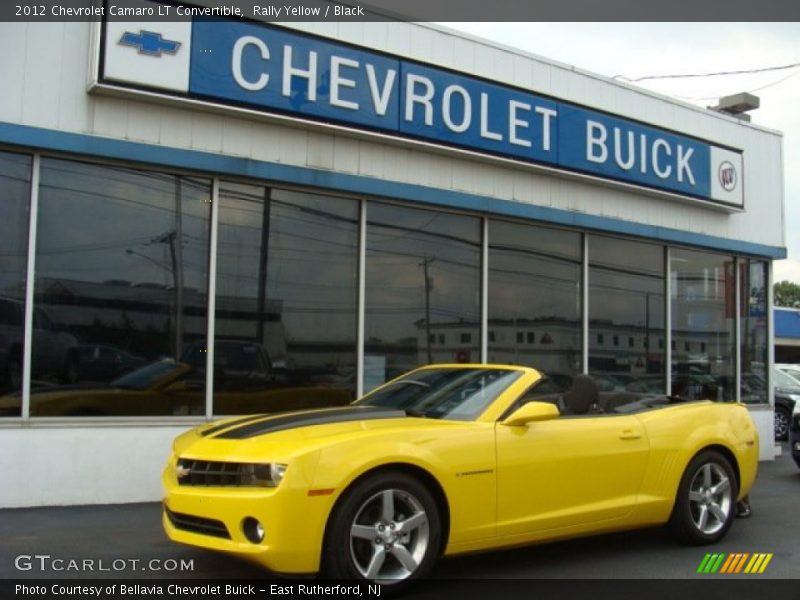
(263, 475)
(189, 471)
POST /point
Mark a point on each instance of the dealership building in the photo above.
(202, 218)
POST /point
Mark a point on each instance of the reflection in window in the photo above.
(287, 277)
(15, 177)
(703, 312)
(534, 283)
(121, 284)
(422, 278)
(753, 327)
(626, 297)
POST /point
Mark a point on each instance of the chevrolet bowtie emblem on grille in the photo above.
(149, 42)
(181, 471)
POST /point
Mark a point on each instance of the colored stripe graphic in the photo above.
(735, 563)
(728, 563)
(703, 563)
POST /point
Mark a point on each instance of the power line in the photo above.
(758, 89)
(713, 74)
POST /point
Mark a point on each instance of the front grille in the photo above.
(197, 524)
(209, 472)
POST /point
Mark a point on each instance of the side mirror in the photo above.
(531, 412)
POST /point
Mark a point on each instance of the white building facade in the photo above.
(202, 218)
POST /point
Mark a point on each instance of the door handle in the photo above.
(630, 434)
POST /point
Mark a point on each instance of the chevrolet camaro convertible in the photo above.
(450, 459)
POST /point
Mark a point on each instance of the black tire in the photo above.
(385, 529)
(782, 418)
(705, 505)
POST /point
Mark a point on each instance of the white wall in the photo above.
(57, 465)
(764, 419)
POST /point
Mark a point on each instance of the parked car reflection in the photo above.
(97, 362)
(54, 352)
(176, 388)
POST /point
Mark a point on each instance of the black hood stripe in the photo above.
(233, 423)
(305, 419)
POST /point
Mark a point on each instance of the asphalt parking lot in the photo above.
(126, 541)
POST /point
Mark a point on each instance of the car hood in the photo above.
(287, 434)
(787, 390)
(62, 392)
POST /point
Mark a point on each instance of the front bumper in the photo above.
(212, 518)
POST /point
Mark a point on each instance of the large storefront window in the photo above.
(422, 290)
(703, 289)
(15, 182)
(626, 315)
(120, 291)
(753, 327)
(535, 298)
(287, 290)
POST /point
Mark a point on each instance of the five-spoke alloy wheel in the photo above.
(386, 529)
(782, 418)
(706, 501)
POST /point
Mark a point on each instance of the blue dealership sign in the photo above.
(615, 148)
(276, 70)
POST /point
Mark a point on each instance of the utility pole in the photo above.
(424, 264)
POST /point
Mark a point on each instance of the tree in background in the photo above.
(787, 294)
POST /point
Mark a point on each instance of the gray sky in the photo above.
(640, 49)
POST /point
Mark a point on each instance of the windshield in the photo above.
(456, 394)
(143, 378)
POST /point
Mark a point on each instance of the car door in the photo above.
(571, 470)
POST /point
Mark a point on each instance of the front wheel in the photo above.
(706, 502)
(782, 418)
(387, 529)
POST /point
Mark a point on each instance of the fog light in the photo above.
(797, 446)
(253, 530)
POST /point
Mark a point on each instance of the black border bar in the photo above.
(710, 588)
(418, 10)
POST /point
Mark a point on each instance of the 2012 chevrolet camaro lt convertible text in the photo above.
(449, 459)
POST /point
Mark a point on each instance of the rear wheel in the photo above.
(706, 502)
(387, 529)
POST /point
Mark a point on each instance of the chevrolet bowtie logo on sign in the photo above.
(742, 563)
(149, 42)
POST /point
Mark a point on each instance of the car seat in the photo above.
(582, 397)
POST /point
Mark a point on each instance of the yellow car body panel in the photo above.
(501, 485)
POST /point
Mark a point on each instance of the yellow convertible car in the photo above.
(449, 459)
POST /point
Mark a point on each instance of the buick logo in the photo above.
(727, 176)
